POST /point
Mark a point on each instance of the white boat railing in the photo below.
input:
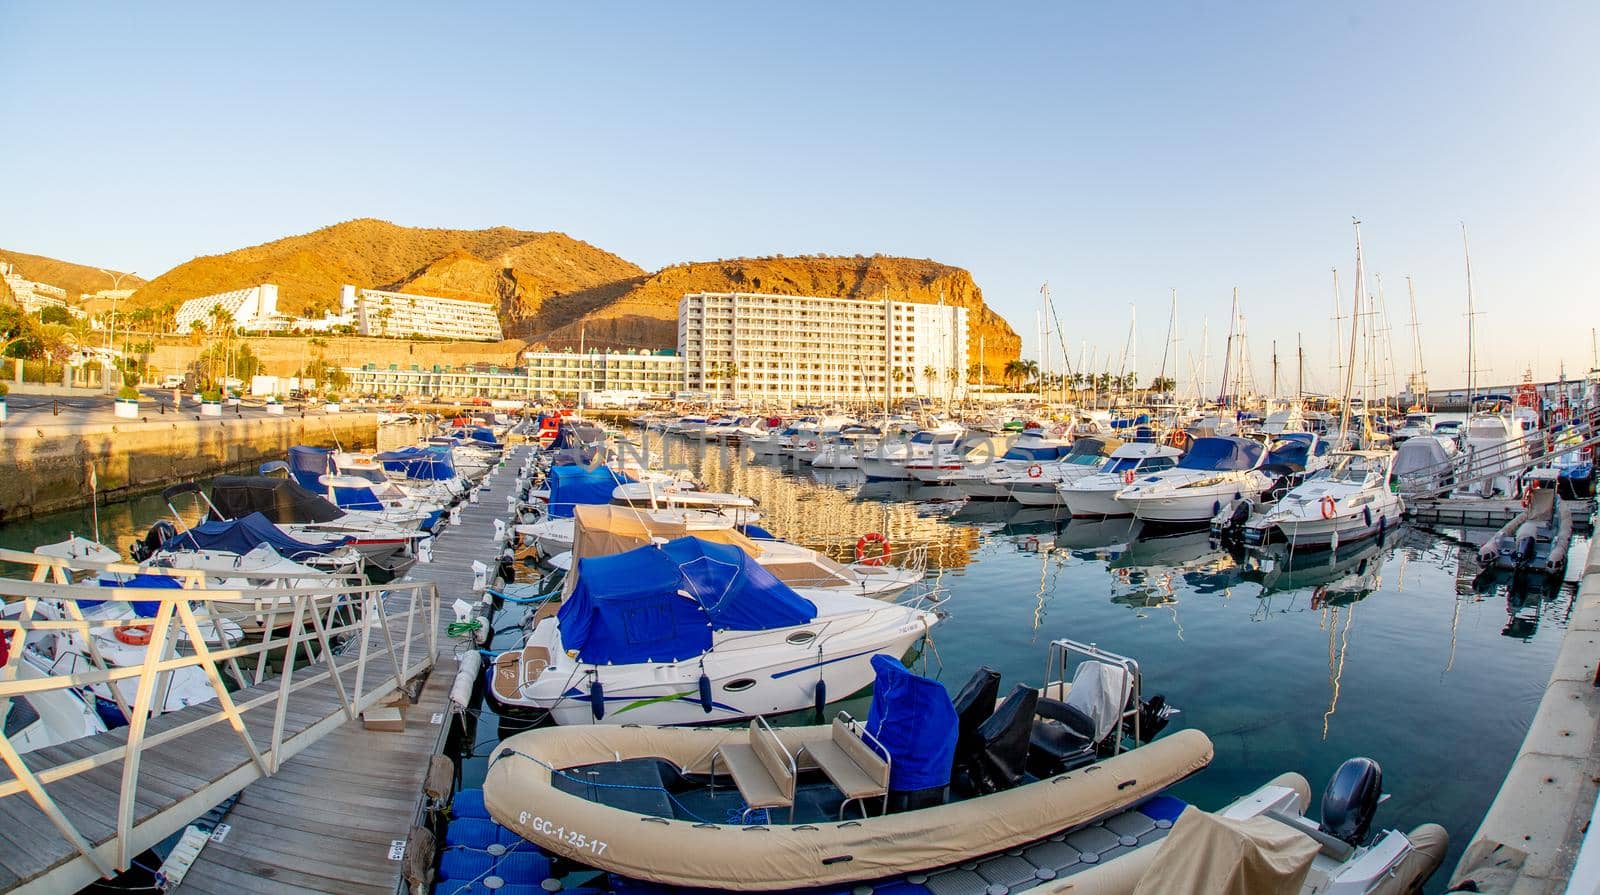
(306, 640)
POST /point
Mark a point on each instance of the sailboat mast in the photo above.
(1274, 369)
(1227, 357)
(1300, 366)
(1350, 368)
(1472, 322)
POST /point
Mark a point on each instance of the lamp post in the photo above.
(111, 334)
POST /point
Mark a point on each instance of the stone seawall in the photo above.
(45, 470)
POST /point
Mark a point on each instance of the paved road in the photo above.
(45, 410)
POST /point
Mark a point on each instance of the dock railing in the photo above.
(1509, 459)
(305, 630)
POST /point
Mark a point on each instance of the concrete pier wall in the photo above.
(45, 470)
(1530, 838)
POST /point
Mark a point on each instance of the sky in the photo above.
(1117, 151)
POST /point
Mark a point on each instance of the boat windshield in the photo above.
(1417, 420)
(1142, 464)
(371, 475)
(1084, 459)
(1352, 468)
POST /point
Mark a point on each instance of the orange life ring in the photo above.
(1128, 477)
(811, 445)
(1329, 507)
(134, 635)
(882, 556)
(1035, 471)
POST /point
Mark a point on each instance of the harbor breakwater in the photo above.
(1529, 842)
(48, 469)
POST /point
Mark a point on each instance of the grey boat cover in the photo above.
(1220, 856)
(1422, 455)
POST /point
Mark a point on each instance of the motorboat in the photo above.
(658, 494)
(844, 450)
(1264, 842)
(725, 640)
(1494, 450)
(1415, 424)
(1096, 494)
(1535, 540)
(1036, 484)
(1350, 499)
(1567, 467)
(813, 434)
(46, 717)
(925, 795)
(1424, 463)
(1033, 446)
(887, 461)
(1216, 470)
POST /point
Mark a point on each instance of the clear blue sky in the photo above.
(1116, 150)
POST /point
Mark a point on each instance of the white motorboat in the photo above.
(46, 717)
(1493, 451)
(676, 494)
(1349, 500)
(887, 461)
(1416, 424)
(1036, 484)
(555, 534)
(1096, 494)
(725, 640)
(1030, 448)
(1216, 471)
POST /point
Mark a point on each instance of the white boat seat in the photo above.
(514, 668)
(763, 770)
(851, 763)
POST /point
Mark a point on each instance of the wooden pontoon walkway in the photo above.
(331, 818)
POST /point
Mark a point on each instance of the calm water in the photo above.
(1383, 650)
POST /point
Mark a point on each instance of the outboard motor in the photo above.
(1154, 714)
(160, 533)
(1227, 525)
(1351, 800)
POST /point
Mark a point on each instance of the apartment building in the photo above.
(253, 309)
(546, 375)
(797, 349)
(34, 296)
(402, 315)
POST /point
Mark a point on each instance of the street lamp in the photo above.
(116, 286)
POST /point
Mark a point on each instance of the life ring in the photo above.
(1035, 471)
(1128, 477)
(1329, 507)
(134, 635)
(882, 556)
(811, 445)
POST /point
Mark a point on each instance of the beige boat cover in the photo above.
(608, 529)
(1207, 854)
(519, 793)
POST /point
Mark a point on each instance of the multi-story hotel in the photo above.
(402, 315)
(33, 296)
(252, 309)
(546, 375)
(795, 349)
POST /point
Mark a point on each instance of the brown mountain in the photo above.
(516, 269)
(642, 312)
(75, 278)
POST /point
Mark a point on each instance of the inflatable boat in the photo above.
(925, 783)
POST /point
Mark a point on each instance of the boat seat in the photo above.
(854, 765)
(763, 769)
(974, 704)
(1061, 740)
(999, 752)
(514, 668)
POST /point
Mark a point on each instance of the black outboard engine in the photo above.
(1154, 713)
(1351, 800)
(159, 533)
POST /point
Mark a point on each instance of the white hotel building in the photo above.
(250, 310)
(401, 315)
(798, 349)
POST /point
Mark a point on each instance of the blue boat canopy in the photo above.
(1037, 454)
(661, 604)
(1220, 453)
(141, 608)
(244, 535)
(483, 436)
(308, 464)
(355, 497)
(913, 718)
(418, 463)
(573, 485)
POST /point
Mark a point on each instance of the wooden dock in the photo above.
(336, 818)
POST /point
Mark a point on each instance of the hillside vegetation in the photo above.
(75, 278)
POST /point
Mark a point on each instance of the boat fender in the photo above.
(597, 699)
(821, 699)
(1366, 515)
(705, 692)
(1216, 507)
(466, 676)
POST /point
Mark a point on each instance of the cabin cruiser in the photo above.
(1416, 424)
(658, 493)
(378, 503)
(1348, 500)
(1264, 842)
(726, 640)
(1216, 470)
(1039, 784)
(1424, 463)
(844, 450)
(1567, 468)
(887, 461)
(46, 717)
(573, 486)
(1494, 450)
(813, 434)
(1033, 446)
(1096, 494)
(1036, 484)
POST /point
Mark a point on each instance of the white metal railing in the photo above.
(307, 626)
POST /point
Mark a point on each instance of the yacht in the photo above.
(1349, 500)
(1416, 424)
(1036, 485)
(1494, 450)
(887, 461)
(1217, 469)
(1096, 494)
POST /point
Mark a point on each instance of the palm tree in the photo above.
(930, 375)
(1015, 372)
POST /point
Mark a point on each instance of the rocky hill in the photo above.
(75, 278)
(516, 269)
(642, 312)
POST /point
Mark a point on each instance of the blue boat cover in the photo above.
(573, 485)
(307, 464)
(483, 436)
(356, 498)
(141, 608)
(1220, 452)
(914, 719)
(662, 603)
(1290, 452)
(1037, 454)
(419, 464)
(244, 535)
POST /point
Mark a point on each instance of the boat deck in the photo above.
(337, 817)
